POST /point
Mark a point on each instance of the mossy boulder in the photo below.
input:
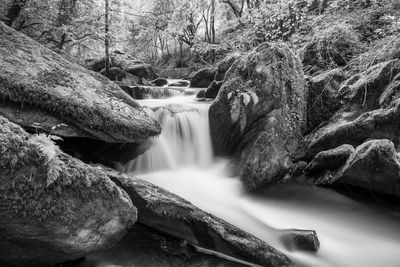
(260, 113)
(224, 66)
(54, 207)
(330, 160)
(31, 74)
(213, 89)
(374, 167)
(203, 78)
(370, 109)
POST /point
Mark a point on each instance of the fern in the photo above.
(49, 151)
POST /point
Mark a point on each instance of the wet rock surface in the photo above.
(162, 210)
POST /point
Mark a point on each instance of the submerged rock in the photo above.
(175, 216)
(31, 74)
(54, 208)
(203, 78)
(260, 113)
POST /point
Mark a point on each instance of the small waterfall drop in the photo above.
(185, 138)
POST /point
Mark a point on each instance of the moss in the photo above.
(24, 188)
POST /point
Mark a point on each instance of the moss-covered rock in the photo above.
(260, 113)
(203, 78)
(32, 74)
(374, 167)
(54, 207)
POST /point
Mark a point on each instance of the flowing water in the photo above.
(351, 233)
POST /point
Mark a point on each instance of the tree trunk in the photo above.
(107, 37)
(212, 28)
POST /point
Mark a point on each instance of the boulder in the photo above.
(201, 93)
(143, 71)
(373, 167)
(213, 89)
(170, 214)
(116, 74)
(54, 208)
(179, 84)
(32, 75)
(322, 101)
(224, 66)
(370, 109)
(260, 113)
(331, 159)
(159, 82)
(203, 78)
(306, 240)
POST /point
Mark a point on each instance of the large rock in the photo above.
(331, 159)
(264, 132)
(32, 75)
(373, 167)
(53, 207)
(322, 100)
(177, 217)
(203, 78)
(370, 109)
(115, 74)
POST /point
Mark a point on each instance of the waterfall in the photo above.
(184, 141)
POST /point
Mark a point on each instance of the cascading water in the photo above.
(352, 234)
(185, 139)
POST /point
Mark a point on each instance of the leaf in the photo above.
(254, 97)
(235, 109)
(46, 146)
(55, 138)
(230, 95)
(246, 98)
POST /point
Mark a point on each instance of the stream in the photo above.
(352, 233)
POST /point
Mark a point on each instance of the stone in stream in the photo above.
(373, 167)
(213, 89)
(180, 84)
(159, 82)
(260, 113)
(170, 214)
(203, 78)
(53, 207)
(306, 240)
(33, 76)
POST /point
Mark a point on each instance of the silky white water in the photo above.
(351, 233)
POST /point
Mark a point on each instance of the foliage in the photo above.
(239, 102)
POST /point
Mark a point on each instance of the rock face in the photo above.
(331, 159)
(203, 78)
(34, 76)
(260, 113)
(370, 110)
(322, 100)
(53, 207)
(162, 210)
(374, 167)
